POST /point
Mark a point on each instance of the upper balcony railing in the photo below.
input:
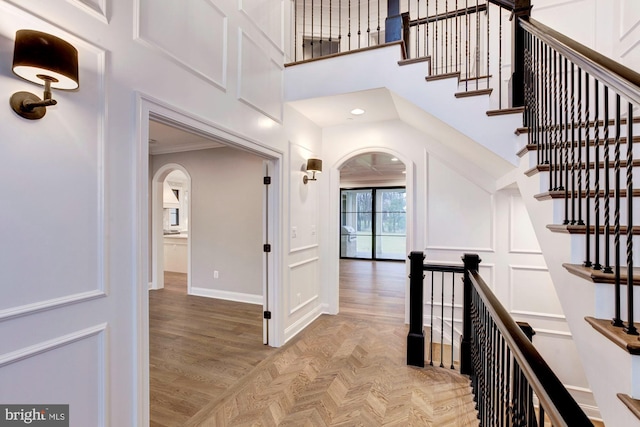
(471, 38)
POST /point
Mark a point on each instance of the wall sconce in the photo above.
(46, 60)
(313, 165)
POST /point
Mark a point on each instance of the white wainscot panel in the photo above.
(259, 79)
(532, 292)
(53, 222)
(67, 370)
(629, 17)
(522, 237)
(267, 16)
(303, 277)
(185, 29)
(95, 8)
(460, 214)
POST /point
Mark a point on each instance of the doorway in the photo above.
(153, 111)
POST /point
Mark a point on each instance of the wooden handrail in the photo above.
(558, 404)
(623, 80)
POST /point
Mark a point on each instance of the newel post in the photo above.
(471, 263)
(415, 339)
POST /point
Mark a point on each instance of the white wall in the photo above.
(226, 220)
(75, 280)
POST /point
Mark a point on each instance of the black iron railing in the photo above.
(579, 111)
(512, 383)
(469, 38)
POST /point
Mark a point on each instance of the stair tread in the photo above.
(414, 60)
(560, 194)
(581, 229)
(469, 93)
(598, 276)
(504, 111)
(443, 76)
(601, 141)
(631, 403)
(629, 343)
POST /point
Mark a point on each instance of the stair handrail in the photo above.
(624, 80)
(560, 407)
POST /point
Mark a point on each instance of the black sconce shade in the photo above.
(313, 165)
(39, 56)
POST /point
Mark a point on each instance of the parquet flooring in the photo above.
(344, 370)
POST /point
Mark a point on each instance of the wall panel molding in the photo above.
(95, 8)
(264, 91)
(516, 229)
(277, 40)
(298, 300)
(205, 18)
(12, 312)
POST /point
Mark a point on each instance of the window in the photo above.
(373, 223)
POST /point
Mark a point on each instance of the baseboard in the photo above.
(302, 323)
(227, 295)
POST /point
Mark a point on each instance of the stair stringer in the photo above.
(608, 368)
(378, 68)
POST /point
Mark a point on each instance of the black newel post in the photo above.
(471, 263)
(522, 10)
(415, 339)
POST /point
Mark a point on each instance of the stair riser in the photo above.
(605, 297)
(578, 254)
(559, 211)
(635, 179)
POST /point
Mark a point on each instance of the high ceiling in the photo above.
(372, 167)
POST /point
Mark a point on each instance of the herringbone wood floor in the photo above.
(209, 368)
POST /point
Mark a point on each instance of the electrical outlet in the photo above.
(294, 232)
(299, 299)
(313, 230)
(216, 274)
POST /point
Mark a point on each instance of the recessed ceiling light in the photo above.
(404, 172)
(394, 159)
(357, 111)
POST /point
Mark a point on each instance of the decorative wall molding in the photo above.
(303, 248)
(217, 77)
(303, 322)
(278, 44)
(95, 8)
(227, 295)
(303, 304)
(22, 310)
(262, 92)
(36, 349)
(513, 229)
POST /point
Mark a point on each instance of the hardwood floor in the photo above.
(209, 368)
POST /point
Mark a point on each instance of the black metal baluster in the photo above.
(304, 25)
(573, 146)
(340, 25)
(359, 22)
(378, 29)
(446, 36)
(442, 321)
(320, 33)
(596, 174)
(556, 130)
(616, 218)
(545, 110)
(431, 326)
(426, 33)
(499, 58)
(631, 327)
(369, 23)
(453, 307)
(295, 31)
(349, 26)
(566, 142)
(509, 390)
(330, 25)
(418, 30)
(468, 58)
(587, 202)
(607, 186)
(488, 39)
(435, 43)
(312, 22)
(586, 169)
(477, 55)
(536, 100)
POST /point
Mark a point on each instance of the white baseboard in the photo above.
(302, 323)
(227, 295)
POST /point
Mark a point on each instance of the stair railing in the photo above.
(512, 383)
(468, 38)
(579, 112)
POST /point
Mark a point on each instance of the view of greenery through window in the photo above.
(373, 223)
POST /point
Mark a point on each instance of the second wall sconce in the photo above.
(313, 165)
(45, 60)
